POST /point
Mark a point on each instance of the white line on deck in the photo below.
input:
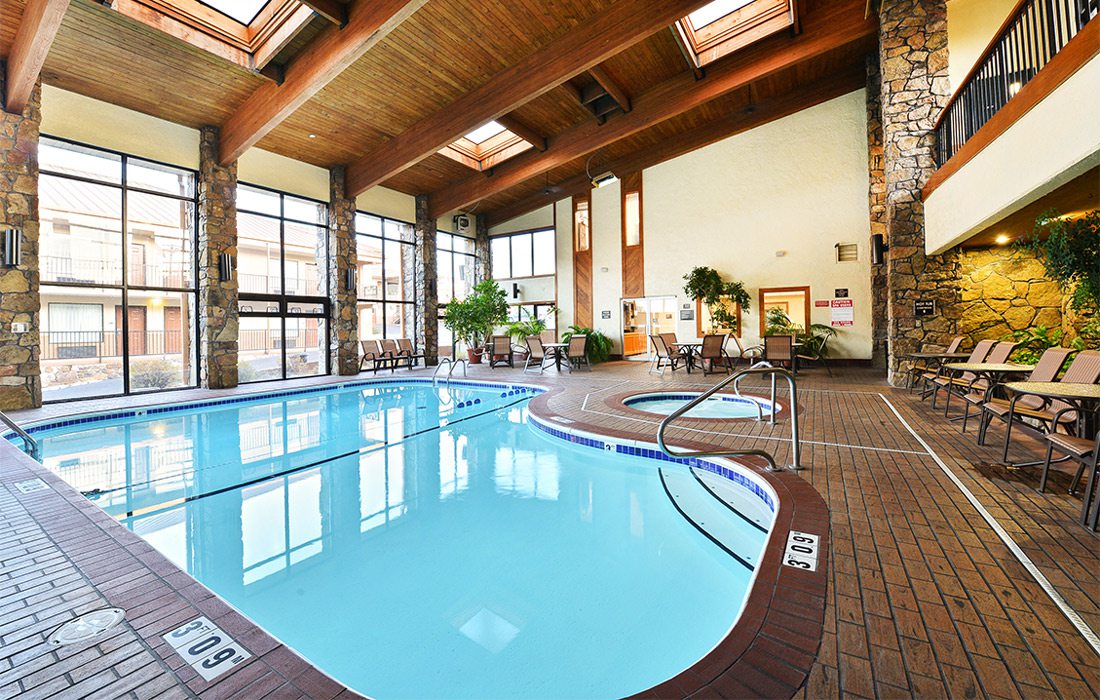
(1071, 614)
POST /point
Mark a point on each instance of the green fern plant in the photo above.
(599, 345)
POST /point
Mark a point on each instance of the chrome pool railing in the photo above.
(30, 445)
(767, 456)
(453, 366)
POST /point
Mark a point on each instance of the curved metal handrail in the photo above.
(444, 361)
(759, 408)
(454, 366)
(773, 371)
(31, 445)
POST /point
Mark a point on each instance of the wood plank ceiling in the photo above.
(445, 49)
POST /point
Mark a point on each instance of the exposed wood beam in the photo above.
(270, 48)
(611, 86)
(41, 20)
(595, 40)
(827, 27)
(522, 130)
(689, 56)
(334, 49)
(333, 11)
(797, 99)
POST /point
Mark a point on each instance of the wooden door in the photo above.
(136, 331)
(173, 329)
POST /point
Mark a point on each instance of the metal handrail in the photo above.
(773, 371)
(31, 445)
(454, 366)
(444, 361)
(759, 408)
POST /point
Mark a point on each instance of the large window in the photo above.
(282, 277)
(456, 263)
(526, 254)
(386, 276)
(117, 263)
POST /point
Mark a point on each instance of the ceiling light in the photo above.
(1001, 239)
(313, 136)
(1014, 88)
(604, 179)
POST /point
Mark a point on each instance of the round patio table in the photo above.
(689, 350)
(559, 351)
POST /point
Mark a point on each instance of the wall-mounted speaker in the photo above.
(13, 247)
(878, 249)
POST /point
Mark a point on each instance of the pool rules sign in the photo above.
(843, 313)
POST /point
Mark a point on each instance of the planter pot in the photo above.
(474, 356)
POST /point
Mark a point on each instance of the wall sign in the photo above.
(801, 552)
(924, 307)
(206, 648)
(687, 314)
(843, 313)
(605, 314)
(840, 292)
(821, 304)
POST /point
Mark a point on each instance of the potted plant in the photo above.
(532, 325)
(472, 319)
(705, 284)
(599, 346)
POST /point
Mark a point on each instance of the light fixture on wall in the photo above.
(515, 290)
(13, 247)
(878, 248)
(225, 267)
(603, 179)
(349, 280)
(1002, 239)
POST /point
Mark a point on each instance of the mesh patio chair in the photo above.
(749, 354)
(1085, 452)
(1046, 370)
(779, 350)
(662, 356)
(966, 382)
(919, 367)
(500, 351)
(535, 353)
(817, 356)
(390, 351)
(981, 349)
(372, 352)
(712, 353)
(577, 352)
(408, 353)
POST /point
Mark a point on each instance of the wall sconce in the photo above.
(225, 267)
(878, 249)
(349, 280)
(13, 247)
(515, 290)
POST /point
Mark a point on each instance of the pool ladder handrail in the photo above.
(454, 365)
(30, 445)
(767, 456)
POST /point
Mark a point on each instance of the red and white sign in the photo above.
(843, 313)
(821, 303)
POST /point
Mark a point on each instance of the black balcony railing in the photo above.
(1035, 32)
(91, 345)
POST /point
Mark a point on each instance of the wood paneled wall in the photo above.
(633, 255)
(582, 260)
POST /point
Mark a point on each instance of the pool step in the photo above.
(745, 504)
(713, 515)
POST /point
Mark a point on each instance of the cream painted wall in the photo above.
(607, 262)
(540, 218)
(798, 185)
(971, 25)
(1044, 149)
(258, 167)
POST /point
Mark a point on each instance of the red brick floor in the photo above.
(924, 599)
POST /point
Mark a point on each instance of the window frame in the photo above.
(384, 299)
(511, 236)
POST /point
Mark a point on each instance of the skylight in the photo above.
(708, 14)
(244, 11)
(483, 133)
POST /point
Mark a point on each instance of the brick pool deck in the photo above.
(923, 597)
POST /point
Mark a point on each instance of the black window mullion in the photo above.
(125, 218)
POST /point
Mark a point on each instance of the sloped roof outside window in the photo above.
(243, 11)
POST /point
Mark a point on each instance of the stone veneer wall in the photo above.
(344, 350)
(427, 296)
(876, 196)
(482, 249)
(1003, 290)
(915, 88)
(20, 380)
(217, 234)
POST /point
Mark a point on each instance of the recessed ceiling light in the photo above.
(313, 136)
(1001, 239)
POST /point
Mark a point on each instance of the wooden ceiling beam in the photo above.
(333, 11)
(41, 20)
(827, 26)
(334, 49)
(595, 40)
(768, 110)
(522, 130)
(611, 86)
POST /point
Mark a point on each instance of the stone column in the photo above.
(876, 194)
(344, 352)
(427, 337)
(217, 235)
(913, 63)
(481, 248)
(20, 374)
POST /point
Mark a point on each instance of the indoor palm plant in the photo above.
(705, 284)
(472, 319)
(599, 346)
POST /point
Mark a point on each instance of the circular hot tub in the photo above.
(719, 406)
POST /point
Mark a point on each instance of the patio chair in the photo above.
(500, 351)
(1083, 451)
(1085, 369)
(535, 353)
(663, 356)
(577, 352)
(372, 352)
(779, 350)
(408, 353)
(390, 350)
(817, 355)
(966, 382)
(1046, 370)
(919, 367)
(713, 353)
(981, 349)
(749, 354)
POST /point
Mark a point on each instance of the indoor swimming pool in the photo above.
(417, 541)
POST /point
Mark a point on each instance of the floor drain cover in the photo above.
(87, 627)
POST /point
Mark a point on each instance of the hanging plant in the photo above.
(1070, 252)
(705, 284)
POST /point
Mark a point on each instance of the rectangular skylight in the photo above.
(712, 12)
(244, 11)
(483, 133)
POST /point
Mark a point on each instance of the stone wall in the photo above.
(217, 234)
(482, 248)
(344, 351)
(915, 88)
(1004, 290)
(20, 381)
(427, 337)
(876, 200)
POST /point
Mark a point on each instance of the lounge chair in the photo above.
(535, 353)
(966, 382)
(819, 356)
(1083, 451)
(500, 351)
(576, 353)
(1046, 370)
(372, 352)
(981, 349)
(663, 356)
(779, 350)
(407, 353)
(749, 355)
(918, 368)
(713, 353)
(390, 350)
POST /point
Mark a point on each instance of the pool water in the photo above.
(416, 542)
(714, 407)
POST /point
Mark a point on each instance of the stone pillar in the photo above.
(876, 194)
(481, 248)
(427, 337)
(344, 351)
(217, 235)
(20, 374)
(913, 64)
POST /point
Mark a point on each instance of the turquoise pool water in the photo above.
(714, 407)
(416, 542)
